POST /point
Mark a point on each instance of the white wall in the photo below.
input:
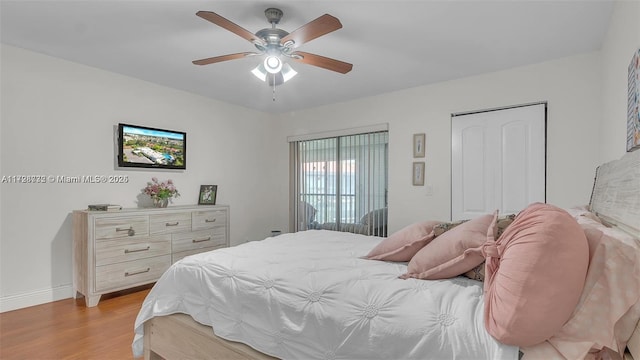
(623, 38)
(571, 86)
(58, 118)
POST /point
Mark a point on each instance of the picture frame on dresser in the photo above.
(207, 194)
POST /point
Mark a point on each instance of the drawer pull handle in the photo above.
(127, 251)
(137, 272)
(129, 230)
(172, 224)
(200, 240)
(207, 220)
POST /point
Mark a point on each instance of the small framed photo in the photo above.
(418, 173)
(418, 145)
(207, 194)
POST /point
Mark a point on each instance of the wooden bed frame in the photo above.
(615, 198)
(178, 336)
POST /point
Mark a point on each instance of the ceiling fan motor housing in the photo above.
(272, 36)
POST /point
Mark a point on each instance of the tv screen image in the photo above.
(140, 146)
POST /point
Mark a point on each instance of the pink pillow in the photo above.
(404, 243)
(454, 252)
(535, 273)
(611, 291)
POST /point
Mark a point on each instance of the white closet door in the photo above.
(497, 161)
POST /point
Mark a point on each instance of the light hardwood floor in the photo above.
(66, 329)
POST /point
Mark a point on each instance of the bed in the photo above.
(312, 295)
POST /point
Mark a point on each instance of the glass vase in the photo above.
(160, 203)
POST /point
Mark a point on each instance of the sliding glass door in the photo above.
(341, 183)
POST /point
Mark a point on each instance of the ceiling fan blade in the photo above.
(323, 62)
(314, 29)
(217, 59)
(229, 25)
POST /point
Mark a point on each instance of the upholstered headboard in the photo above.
(616, 200)
(616, 193)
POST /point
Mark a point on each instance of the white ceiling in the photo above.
(393, 45)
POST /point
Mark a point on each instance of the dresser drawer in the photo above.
(121, 227)
(199, 239)
(169, 223)
(208, 219)
(131, 273)
(121, 250)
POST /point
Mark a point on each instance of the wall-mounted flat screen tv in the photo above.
(145, 147)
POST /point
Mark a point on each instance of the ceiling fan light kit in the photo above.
(285, 74)
(278, 44)
(273, 64)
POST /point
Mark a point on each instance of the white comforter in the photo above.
(310, 295)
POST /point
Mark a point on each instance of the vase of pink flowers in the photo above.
(161, 192)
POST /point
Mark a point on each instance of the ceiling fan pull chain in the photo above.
(274, 87)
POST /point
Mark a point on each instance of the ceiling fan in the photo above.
(278, 44)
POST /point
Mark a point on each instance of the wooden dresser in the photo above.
(117, 250)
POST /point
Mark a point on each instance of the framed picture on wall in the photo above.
(633, 103)
(418, 173)
(207, 194)
(418, 145)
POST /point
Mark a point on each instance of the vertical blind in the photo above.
(340, 183)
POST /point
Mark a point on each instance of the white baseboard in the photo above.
(37, 297)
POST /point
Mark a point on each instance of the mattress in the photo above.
(310, 295)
